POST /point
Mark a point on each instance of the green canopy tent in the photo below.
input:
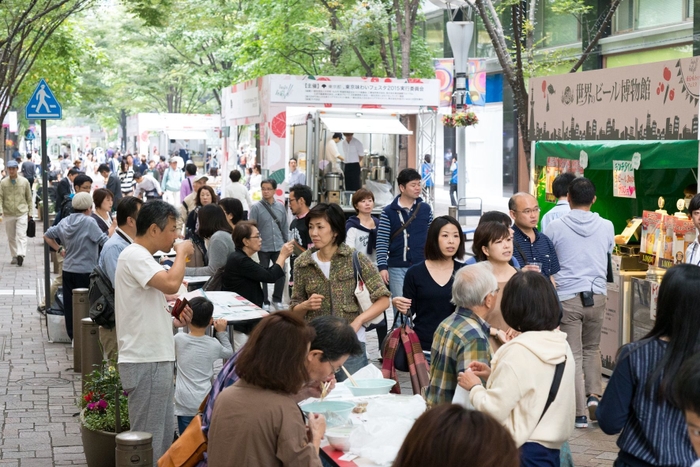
(666, 168)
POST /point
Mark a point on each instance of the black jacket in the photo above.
(243, 276)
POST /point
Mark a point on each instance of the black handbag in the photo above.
(31, 228)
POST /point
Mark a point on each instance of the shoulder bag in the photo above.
(188, 450)
(362, 293)
(272, 214)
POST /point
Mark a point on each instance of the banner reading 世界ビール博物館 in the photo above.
(653, 101)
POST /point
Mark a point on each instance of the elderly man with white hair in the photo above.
(463, 337)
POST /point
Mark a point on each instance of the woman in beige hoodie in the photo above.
(523, 371)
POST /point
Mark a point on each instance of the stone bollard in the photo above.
(452, 212)
(81, 309)
(134, 449)
(91, 353)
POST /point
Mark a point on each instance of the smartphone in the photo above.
(587, 298)
(178, 308)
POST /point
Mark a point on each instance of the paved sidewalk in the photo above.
(39, 390)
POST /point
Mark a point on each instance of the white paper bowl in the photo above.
(371, 387)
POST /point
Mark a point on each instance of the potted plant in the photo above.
(105, 412)
(466, 118)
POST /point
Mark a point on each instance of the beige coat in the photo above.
(15, 198)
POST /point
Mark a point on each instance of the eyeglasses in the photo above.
(527, 212)
(255, 236)
(335, 370)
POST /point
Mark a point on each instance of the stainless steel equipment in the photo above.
(332, 182)
(377, 165)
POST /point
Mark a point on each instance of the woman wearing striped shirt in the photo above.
(639, 399)
(126, 175)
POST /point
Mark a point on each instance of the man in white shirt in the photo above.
(692, 253)
(332, 156)
(144, 324)
(147, 185)
(237, 190)
(354, 153)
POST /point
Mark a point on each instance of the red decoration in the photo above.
(279, 125)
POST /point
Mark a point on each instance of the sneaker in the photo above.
(14, 260)
(279, 306)
(581, 422)
(20, 260)
(592, 404)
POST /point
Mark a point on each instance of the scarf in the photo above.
(354, 221)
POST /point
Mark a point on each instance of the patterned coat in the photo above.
(309, 280)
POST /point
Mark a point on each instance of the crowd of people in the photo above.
(517, 325)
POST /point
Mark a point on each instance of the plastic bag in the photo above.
(381, 191)
(379, 440)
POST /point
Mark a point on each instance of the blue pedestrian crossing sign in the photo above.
(43, 105)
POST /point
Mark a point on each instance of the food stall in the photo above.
(634, 132)
(155, 134)
(297, 115)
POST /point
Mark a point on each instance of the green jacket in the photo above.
(15, 198)
(309, 279)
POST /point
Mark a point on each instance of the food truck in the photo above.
(298, 115)
(633, 131)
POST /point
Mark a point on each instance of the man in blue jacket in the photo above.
(403, 228)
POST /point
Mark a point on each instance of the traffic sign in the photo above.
(43, 105)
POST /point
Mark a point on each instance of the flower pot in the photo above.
(99, 446)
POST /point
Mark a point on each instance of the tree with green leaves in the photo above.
(516, 47)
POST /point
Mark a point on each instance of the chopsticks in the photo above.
(347, 373)
(324, 390)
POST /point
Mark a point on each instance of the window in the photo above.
(557, 29)
(434, 36)
(632, 15)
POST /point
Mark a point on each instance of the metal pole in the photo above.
(45, 214)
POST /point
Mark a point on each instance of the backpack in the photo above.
(101, 299)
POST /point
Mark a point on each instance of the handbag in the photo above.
(403, 337)
(31, 228)
(215, 282)
(188, 450)
(362, 293)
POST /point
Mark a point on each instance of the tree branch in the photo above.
(594, 42)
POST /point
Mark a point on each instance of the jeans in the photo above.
(72, 280)
(453, 194)
(582, 326)
(354, 363)
(267, 258)
(182, 423)
(396, 277)
(536, 455)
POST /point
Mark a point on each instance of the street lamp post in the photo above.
(460, 35)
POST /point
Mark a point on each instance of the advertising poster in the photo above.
(444, 72)
(623, 180)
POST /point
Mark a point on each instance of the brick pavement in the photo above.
(39, 390)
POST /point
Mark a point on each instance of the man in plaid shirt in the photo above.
(464, 336)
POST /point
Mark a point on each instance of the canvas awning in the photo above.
(186, 134)
(375, 124)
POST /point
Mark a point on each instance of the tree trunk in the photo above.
(122, 125)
